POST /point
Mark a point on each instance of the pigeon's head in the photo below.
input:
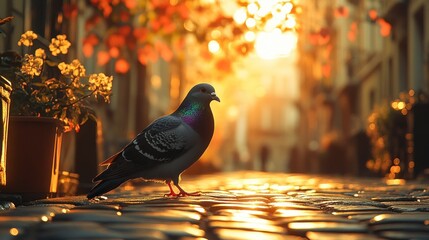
(203, 92)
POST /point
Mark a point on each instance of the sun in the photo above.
(275, 44)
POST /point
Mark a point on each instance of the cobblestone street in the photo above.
(240, 205)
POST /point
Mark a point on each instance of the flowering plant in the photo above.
(47, 88)
(390, 130)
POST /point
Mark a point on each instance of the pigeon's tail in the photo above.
(104, 186)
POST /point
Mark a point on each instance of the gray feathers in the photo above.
(160, 141)
(167, 147)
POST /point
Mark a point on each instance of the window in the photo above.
(46, 17)
(417, 49)
(403, 65)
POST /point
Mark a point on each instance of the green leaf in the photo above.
(37, 84)
(63, 113)
(84, 119)
(92, 116)
(51, 63)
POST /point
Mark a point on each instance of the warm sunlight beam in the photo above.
(275, 44)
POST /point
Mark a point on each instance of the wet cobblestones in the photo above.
(241, 205)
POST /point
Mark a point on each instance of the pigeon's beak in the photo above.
(214, 96)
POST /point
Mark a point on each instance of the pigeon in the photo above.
(165, 148)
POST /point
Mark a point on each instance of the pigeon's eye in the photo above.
(203, 90)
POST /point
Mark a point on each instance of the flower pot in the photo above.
(5, 89)
(33, 157)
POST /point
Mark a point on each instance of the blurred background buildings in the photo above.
(302, 102)
(368, 55)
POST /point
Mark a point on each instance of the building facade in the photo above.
(356, 56)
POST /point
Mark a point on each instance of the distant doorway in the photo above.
(264, 155)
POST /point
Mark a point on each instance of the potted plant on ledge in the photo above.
(49, 96)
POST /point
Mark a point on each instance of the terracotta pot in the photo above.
(33, 157)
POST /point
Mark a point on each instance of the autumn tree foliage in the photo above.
(156, 29)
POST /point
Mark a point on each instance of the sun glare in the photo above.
(240, 16)
(271, 25)
(214, 46)
(275, 44)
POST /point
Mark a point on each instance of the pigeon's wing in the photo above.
(164, 140)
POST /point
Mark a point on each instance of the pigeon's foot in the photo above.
(182, 192)
(185, 194)
(172, 193)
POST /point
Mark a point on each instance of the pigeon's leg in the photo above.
(183, 193)
(172, 193)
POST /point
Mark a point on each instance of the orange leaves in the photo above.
(141, 34)
(373, 17)
(147, 54)
(124, 30)
(326, 70)
(179, 43)
(122, 66)
(372, 14)
(168, 14)
(169, 26)
(91, 22)
(88, 45)
(70, 10)
(322, 37)
(182, 10)
(385, 27)
(152, 29)
(115, 40)
(341, 11)
(224, 65)
(165, 51)
(114, 52)
(351, 35)
(130, 4)
(88, 50)
(104, 6)
(107, 6)
(150, 53)
(206, 55)
(163, 23)
(102, 58)
(91, 39)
